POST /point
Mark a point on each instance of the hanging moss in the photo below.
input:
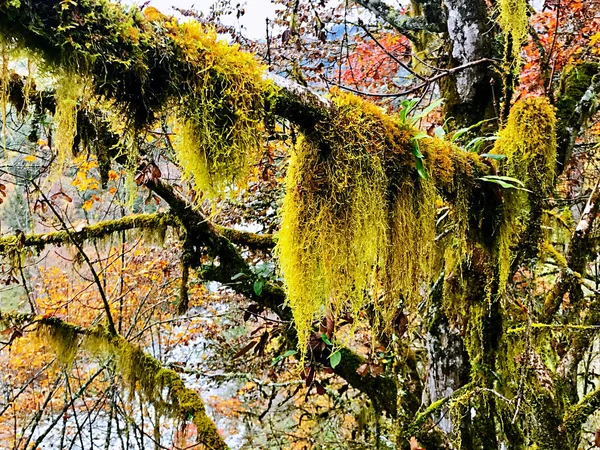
(144, 375)
(61, 337)
(222, 114)
(529, 143)
(512, 18)
(349, 232)
(69, 88)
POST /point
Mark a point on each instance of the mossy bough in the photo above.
(148, 64)
(140, 372)
(358, 224)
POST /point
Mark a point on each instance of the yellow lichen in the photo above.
(69, 88)
(529, 144)
(62, 338)
(512, 18)
(351, 235)
(221, 118)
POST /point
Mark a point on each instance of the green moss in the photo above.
(221, 118)
(575, 80)
(512, 18)
(149, 65)
(62, 337)
(529, 143)
(145, 376)
(69, 89)
(358, 223)
(155, 223)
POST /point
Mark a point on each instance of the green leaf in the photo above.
(475, 144)
(493, 156)
(325, 339)
(421, 169)
(284, 355)
(335, 359)
(420, 135)
(258, 286)
(417, 151)
(505, 182)
(427, 110)
(237, 275)
(407, 106)
(458, 133)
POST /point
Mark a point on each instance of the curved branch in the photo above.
(233, 271)
(401, 22)
(140, 371)
(576, 258)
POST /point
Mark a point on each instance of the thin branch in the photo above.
(402, 23)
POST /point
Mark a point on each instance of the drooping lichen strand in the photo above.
(512, 18)
(221, 117)
(410, 253)
(349, 233)
(529, 143)
(61, 337)
(69, 89)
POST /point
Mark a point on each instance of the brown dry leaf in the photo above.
(362, 369)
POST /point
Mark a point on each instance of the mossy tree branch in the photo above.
(102, 230)
(97, 231)
(206, 238)
(576, 103)
(140, 372)
(580, 250)
(404, 24)
(578, 414)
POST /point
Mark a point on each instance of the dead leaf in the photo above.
(362, 369)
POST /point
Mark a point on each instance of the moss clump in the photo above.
(529, 143)
(512, 18)
(62, 337)
(351, 233)
(221, 116)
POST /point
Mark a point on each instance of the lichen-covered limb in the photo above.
(88, 233)
(142, 63)
(577, 415)
(576, 103)
(576, 258)
(252, 240)
(426, 414)
(104, 229)
(140, 372)
(401, 22)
